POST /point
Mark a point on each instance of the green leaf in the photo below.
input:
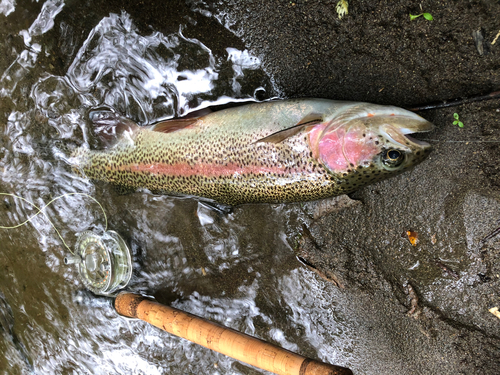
(412, 17)
(460, 124)
(428, 16)
(455, 122)
(455, 116)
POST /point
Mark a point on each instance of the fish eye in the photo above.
(393, 158)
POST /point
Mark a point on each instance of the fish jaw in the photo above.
(355, 142)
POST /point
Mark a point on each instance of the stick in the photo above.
(224, 340)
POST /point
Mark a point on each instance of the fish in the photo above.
(269, 152)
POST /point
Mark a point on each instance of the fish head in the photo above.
(367, 142)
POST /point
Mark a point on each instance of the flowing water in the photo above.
(59, 60)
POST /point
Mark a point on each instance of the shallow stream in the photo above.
(59, 60)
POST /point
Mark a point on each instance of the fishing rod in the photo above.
(455, 102)
(104, 264)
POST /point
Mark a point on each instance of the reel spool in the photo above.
(104, 262)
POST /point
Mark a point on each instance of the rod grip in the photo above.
(224, 340)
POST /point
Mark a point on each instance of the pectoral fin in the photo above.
(108, 125)
(280, 136)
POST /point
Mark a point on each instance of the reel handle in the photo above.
(224, 340)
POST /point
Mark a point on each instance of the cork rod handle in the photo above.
(224, 340)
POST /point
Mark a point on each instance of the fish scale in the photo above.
(224, 157)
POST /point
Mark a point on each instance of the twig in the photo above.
(447, 269)
(491, 234)
(495, 40)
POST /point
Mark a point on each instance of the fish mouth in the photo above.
(417, 141)
(402, 132)
(423, 126)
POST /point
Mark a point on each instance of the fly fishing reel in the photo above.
(104, 262)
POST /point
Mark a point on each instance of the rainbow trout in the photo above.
(278, 151)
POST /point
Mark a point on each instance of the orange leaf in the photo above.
(412, 237)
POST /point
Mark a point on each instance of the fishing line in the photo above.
(475, 141)
(40, 210)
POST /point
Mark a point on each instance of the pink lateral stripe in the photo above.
(186, 170)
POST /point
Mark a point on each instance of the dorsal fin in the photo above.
(281, 135)
(170, 126)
